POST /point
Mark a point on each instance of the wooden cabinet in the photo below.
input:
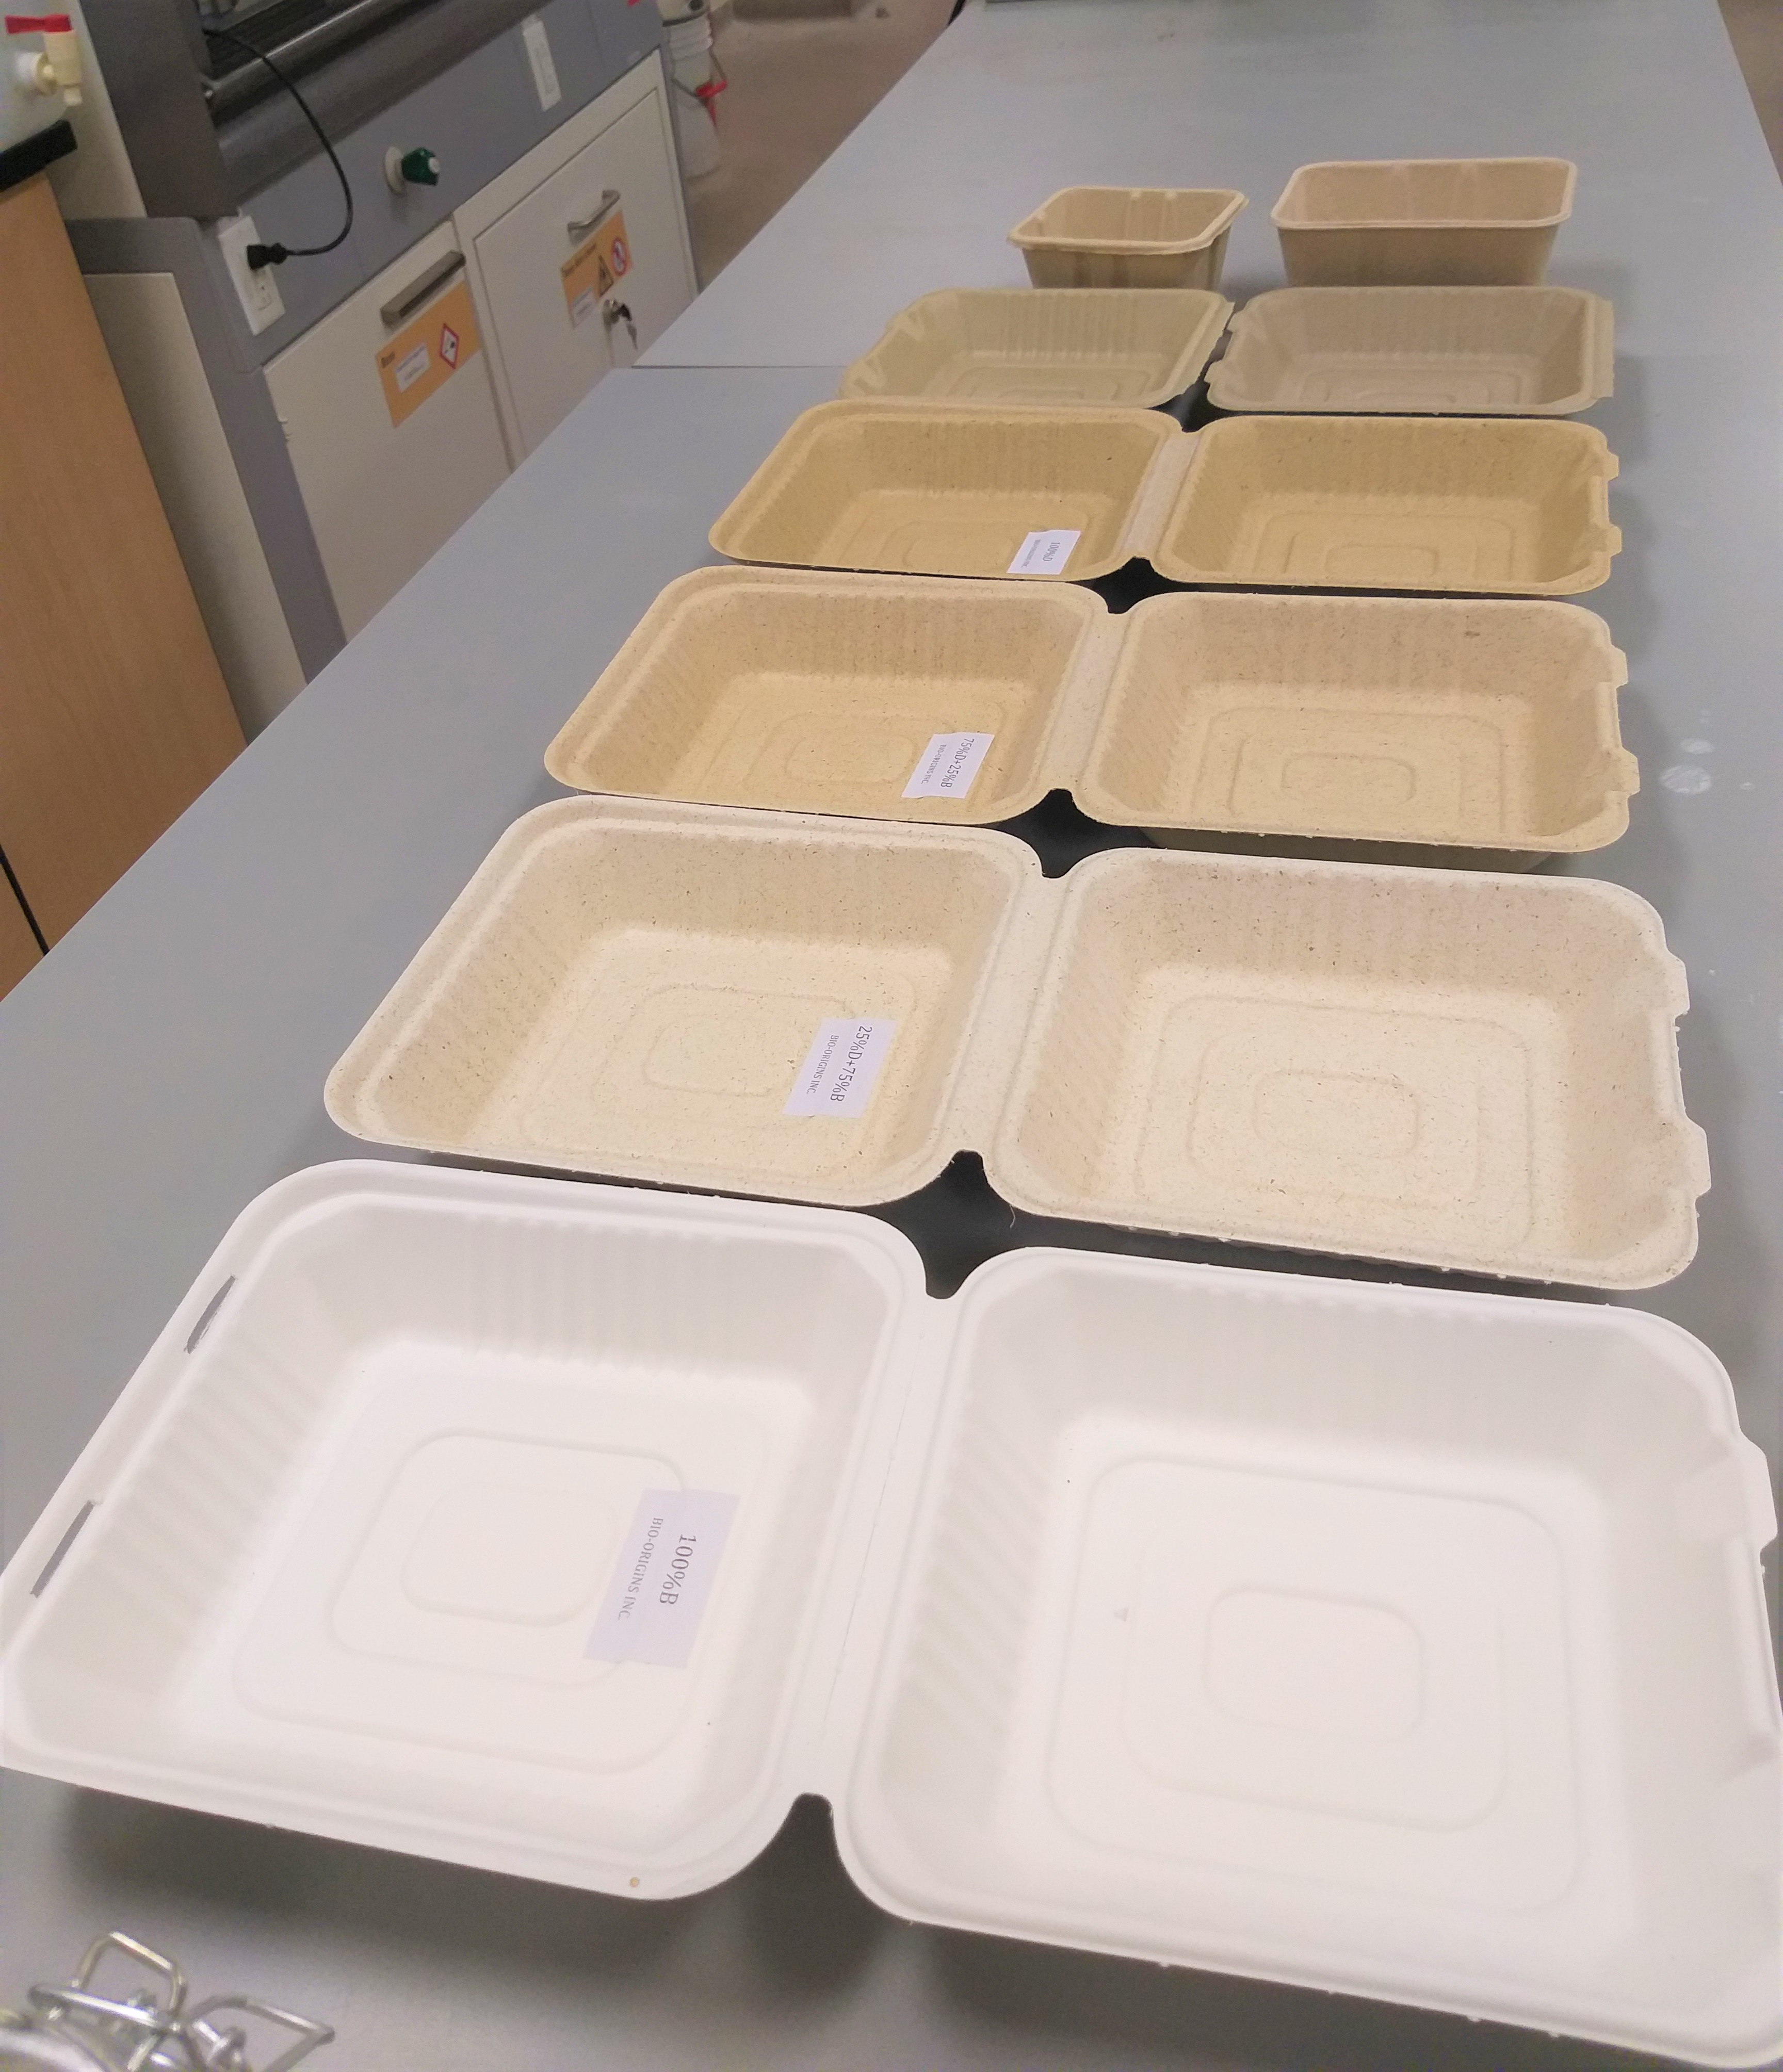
(391, 422)
(113, 716)
(580, 254)
(18, 950)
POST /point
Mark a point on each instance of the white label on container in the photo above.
(1044, 554)
(410, 368)
(840, 1067)
(583, 307)
(663, 1575)
(538, 56)
(947, 766)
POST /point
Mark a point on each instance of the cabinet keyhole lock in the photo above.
(612, 314)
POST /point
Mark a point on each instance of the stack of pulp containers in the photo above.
(1406, 1642)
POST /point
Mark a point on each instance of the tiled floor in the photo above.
(797, 89)
(798, 86)
(1756, 28)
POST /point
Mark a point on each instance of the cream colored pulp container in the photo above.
(1129, 237)
(1516, 507)
(1380, 1717)
(1422, 222)
(1466, 352)
(1135, 347)
(1459, 1071)
(1398, 1641)
(1462, 726)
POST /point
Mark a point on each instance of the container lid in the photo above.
(1046, 348)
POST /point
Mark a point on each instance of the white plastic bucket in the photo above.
(692, 69)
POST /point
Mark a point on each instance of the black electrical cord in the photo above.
(258, 256)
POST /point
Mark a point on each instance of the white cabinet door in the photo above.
(553, 337)
(389, 412)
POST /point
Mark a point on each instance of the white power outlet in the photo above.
(262, 303)
(538, 56)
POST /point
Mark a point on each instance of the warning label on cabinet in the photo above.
(592, 268)
(424, 355)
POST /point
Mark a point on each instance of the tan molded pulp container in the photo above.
(1479, 730)
(1463, 352)
(1475, 1071)
(1052, 346)
(1129, 237)
(1509, 506)
(1423, 222)
(950, 489)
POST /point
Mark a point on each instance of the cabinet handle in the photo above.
(583, 225)
(418, 290)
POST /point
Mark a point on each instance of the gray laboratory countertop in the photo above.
(166, 1061)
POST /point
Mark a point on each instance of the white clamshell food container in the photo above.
(1392, 1642)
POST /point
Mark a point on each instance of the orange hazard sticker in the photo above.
(424, 355)
(594, 268)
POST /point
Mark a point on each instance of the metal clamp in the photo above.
(418, 290)
(583, 226)
(76, 2030)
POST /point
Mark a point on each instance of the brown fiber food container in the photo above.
(1138, 348)
(951, 489)
(1465, 731)
(1517, 506)
(1457, 1069)
(1476, 352)
(1486, 506)
(1129, 237)
(1432, 222)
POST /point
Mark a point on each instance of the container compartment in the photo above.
(1491, 725)
(1393, 1643)
(633, 992)
(818, 693)
(1477, 505)
(1455, 222)
(1056, 346)
(939, 490)
(1460, 352)
(1419, 1065)
(350, 1584)
(1129, 237)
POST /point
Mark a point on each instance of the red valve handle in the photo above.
(52, 25)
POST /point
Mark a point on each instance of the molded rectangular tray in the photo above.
(1136, 347)
(1469, 731)
(1489, 506)
(1390, 1641)
(1514, 506)
(1465, 352)
(1476, 1071)
(1129, 237)
(1422, 222)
